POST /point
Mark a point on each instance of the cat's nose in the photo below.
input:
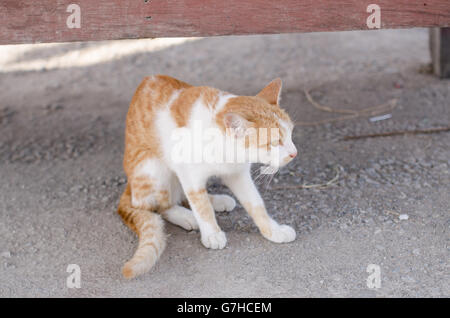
(293, 155)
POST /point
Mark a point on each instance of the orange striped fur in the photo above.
(159, 188)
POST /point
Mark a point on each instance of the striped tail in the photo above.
(149, 227)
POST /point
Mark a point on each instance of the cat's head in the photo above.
(264, 129)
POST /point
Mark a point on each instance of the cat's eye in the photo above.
(275, 143)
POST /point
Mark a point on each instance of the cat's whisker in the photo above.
(263, 179)
(259, 179)
(255, 173)
(270, 180)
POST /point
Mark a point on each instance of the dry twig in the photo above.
(401, 132)
(316, 186)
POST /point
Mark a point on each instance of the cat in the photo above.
(159, 188)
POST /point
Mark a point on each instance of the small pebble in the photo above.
(9, 265)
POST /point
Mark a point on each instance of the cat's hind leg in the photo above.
(181, 216)
(222, 202)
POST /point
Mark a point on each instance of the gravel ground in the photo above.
(62, 111)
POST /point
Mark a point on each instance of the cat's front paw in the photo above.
(222, 202)
(281, 233)
(215, 241)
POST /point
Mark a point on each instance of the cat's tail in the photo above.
(149, 227)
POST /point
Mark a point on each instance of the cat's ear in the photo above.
(236, 123)
(271, 93)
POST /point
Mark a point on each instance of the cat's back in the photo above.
(154, 92)
(162, 103)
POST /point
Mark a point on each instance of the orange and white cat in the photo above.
(160, 187)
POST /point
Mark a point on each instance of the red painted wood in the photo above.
(45, 20)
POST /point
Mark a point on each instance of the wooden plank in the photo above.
(440, 51)
(46, 20)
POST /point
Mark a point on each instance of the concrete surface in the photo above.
(62, 111)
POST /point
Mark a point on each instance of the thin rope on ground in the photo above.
(337, 169)
(351, 114)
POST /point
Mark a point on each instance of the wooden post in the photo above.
(440, 51)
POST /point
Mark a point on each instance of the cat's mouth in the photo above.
(277, 164)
